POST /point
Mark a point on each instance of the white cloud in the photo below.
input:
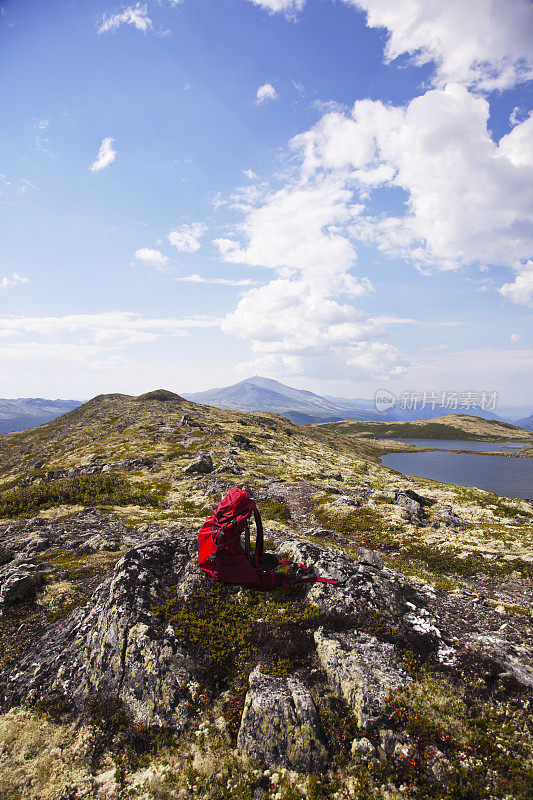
(517, 115)
(107, 329)
(299, 227)
(468, 198)
(14, 280)
(486, 44)
(520, 291)
(265, 93)
(288, 7)
(186, 237)
(153, 257)
(136, 15)
(106, 155)
(378, 359)
(194, 278)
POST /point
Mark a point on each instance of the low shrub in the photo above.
(85, 490)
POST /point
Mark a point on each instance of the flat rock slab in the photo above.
(361, 670)
(280, 724)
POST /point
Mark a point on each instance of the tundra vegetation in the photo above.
(124, 673)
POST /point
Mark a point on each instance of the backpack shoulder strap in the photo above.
(259, 538)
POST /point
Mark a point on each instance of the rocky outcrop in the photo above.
(18, 580)
(86, 531)
(380, 588)
(202, 462)
(280, 724)
(445, 516)
(88, 469)
(230, 465)
(361, 670)
(114, 647)
(244, 442)
(189, 422)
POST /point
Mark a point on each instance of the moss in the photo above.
(486, 742)
(85, 490)
(226, 627)
(81, 567)
(321, 787)
(444, 560)
(191, 509)
(366, 526)
(18, 624)
(498, 505)
(280, 668)
(273, 510)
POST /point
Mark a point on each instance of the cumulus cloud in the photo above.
(265, 93)
(298, 227)
(186, 237)
(136, 15)
(15, 279)
(520, 290)
(468, 198)
(154, 258)
(487, 44)
(106, 155)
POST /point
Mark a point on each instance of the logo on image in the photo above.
(384, 400)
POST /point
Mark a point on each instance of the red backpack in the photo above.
(220, 552)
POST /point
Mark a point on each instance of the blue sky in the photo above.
(337, 195)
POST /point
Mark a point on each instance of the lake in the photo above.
(462, 444)
(510, 477)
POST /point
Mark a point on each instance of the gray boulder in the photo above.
(230, 465)
(371, 557)
(18, 580)
(361, 670)
(280, 724)
(446, 516)
(114, 645)
(202, 462)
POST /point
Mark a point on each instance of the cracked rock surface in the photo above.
(280, 724)
(361, 670)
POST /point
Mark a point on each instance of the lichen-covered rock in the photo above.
(18, 580)
(371, 557)
(113, 646)
(383, 590)
(202, 462)
(87, 531)
(446, 516)
(361, 670)
(230, 465)
(280, 724)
